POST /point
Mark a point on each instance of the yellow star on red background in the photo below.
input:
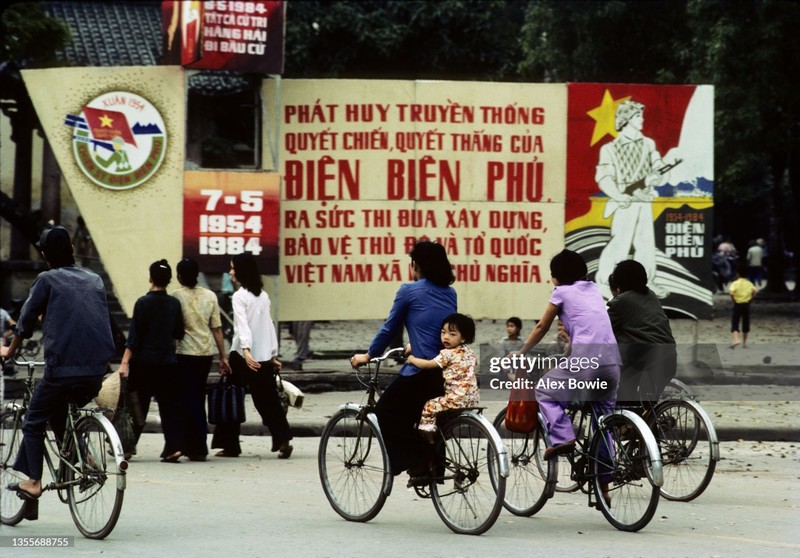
(106, 121)
(604, 117)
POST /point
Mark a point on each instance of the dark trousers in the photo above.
(741, 312)
(399, 410)
(262, 387)
(647, 371)
(162, 381)
(49, 404)
(194, 375)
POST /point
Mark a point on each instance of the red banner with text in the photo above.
(227, 213)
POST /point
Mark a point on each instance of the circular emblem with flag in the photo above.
(119, 140)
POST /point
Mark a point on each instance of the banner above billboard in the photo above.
(225, 35)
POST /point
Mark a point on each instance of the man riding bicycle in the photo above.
(77, 347)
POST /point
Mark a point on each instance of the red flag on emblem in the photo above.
(108, 124)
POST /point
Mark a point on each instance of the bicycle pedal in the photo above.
(32, 510)
(418, 481)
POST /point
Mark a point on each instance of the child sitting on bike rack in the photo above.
(457, 362)
(594, 359)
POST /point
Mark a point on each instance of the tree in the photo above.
(745, 48)
(29, 37)
(748, 49)
(448, 39)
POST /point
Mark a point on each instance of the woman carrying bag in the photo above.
(253, 360)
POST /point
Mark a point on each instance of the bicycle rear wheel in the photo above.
(353, 466)
(687, 445)
(468, 496)
(93, 492)
(530, 479)
(620, 458)
(12, 508)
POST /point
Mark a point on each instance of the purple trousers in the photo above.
(558, 387)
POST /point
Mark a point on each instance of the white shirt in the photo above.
(252, 325)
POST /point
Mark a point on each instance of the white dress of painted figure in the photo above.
(629, 158)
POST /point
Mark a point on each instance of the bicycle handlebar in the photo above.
(387, 354)
(19, 362)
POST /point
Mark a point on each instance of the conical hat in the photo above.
(109, 394)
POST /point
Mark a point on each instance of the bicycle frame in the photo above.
(655, 468)
(502, 457)
(52, 446)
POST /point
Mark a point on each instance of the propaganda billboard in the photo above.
(640, 184)
(370, 167)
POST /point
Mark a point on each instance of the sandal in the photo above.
(223, 453)
(22, 494)
(285, 451)
(172, 458)
(559, 449)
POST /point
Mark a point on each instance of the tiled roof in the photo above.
(116, 33)
(111, 33)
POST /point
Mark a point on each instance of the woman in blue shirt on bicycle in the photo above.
(420, 307)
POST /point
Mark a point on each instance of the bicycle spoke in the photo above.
(12, 509)
(468, 497)
(94, 498)
(352, 467)
(528, 486)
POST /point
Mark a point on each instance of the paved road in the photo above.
(259, 506)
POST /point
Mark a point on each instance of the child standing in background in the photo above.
(742, 291)
(512, 341)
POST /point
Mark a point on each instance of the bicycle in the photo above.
(688, 443)
(467, 486)
(86, 466)
(614, 452)
(686, 438)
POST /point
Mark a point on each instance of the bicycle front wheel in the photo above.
(468, 489)
(687, 443)
(93, 493)
(353, 466)
(12, 508)
(530, 478)
(620, 461)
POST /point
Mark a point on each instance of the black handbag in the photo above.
(226, 403)
(123, 420)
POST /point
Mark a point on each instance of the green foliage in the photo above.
(29, 37)
(448, 39)
(612, 41)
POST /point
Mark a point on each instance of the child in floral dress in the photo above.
(457, 362)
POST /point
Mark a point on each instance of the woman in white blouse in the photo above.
(254, 360)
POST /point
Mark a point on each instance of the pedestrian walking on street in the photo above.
(254, 360)
(195, 352)
(151, 364)
(741, 291)
(755, 262)
(301, 331)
